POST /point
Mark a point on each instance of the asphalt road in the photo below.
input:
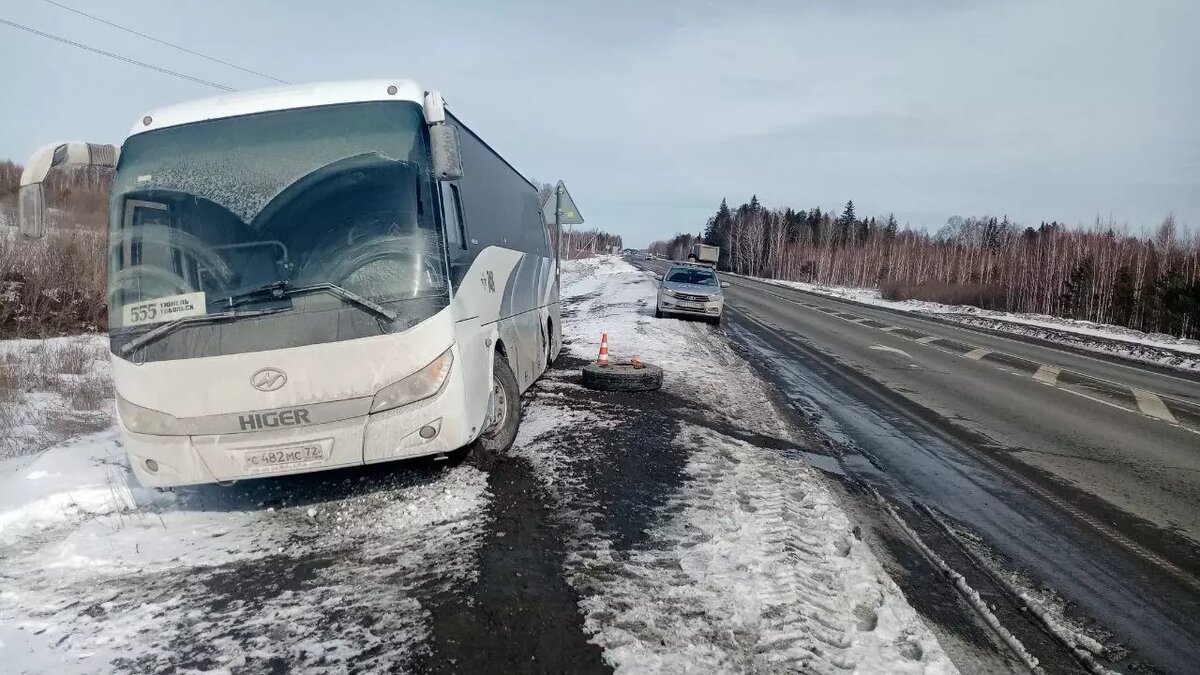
(1142, 465)
(1082, 472)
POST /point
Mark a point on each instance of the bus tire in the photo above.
(622, 377)
(498, 436)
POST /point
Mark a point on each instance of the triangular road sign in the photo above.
(560, 205)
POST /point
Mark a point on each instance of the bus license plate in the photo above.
(262, 460)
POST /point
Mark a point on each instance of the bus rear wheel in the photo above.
(504, 416)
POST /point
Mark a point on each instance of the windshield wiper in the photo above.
(284, 289)
(168, 328)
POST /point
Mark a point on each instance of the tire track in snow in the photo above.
(753, 573)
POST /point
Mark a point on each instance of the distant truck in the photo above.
(708, 255)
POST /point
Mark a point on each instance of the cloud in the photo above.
(652, 112)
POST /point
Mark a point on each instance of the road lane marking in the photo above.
(1044, 371)
(964, 328)
(1047, 375)
(883, 348)
(1150, 404)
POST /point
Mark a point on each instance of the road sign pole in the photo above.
(558, 232)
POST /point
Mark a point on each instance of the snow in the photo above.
(115, 577)
(71, 482)
(750, 565)
(1106, 338)
(41, 388)
(1087, 638)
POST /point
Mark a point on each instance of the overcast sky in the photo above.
(654, 111)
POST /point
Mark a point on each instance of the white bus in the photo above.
(317, 276)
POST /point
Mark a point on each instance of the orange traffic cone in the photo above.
(603, 358)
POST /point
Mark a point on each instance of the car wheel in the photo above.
(658, 314)
(504, 416)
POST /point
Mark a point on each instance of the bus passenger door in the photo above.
(457, 248)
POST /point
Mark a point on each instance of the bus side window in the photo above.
(452, 209)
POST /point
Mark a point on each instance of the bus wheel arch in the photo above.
(504, 413)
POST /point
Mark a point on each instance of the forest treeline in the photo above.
(1101, 273)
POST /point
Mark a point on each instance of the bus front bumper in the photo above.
(434, 426)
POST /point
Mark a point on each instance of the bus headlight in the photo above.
(146, 421)
(420, 385)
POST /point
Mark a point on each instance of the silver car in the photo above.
(691, 290)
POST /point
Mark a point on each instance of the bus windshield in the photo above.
(243, 212)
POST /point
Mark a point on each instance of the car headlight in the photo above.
(416, 387)
(146, 421)
(669, 292)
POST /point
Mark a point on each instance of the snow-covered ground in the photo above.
(317, 573)
(749, 564)
(1117, 340)
(50, 391)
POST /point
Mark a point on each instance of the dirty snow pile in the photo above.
(1118, 340)
(702, 543)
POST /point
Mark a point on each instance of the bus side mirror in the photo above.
(31, 211)
(31, 198)
(724, 284)
(443, 149)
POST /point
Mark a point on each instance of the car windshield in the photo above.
(688, 275)
(204, 214)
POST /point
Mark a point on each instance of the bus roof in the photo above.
(278, 98)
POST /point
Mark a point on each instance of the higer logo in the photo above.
(268, 379)
(279, 418)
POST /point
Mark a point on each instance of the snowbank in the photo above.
(324, 573)
(67, 484)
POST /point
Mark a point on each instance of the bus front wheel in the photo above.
(504, 415)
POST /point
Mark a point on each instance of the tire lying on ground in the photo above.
(622, 377)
